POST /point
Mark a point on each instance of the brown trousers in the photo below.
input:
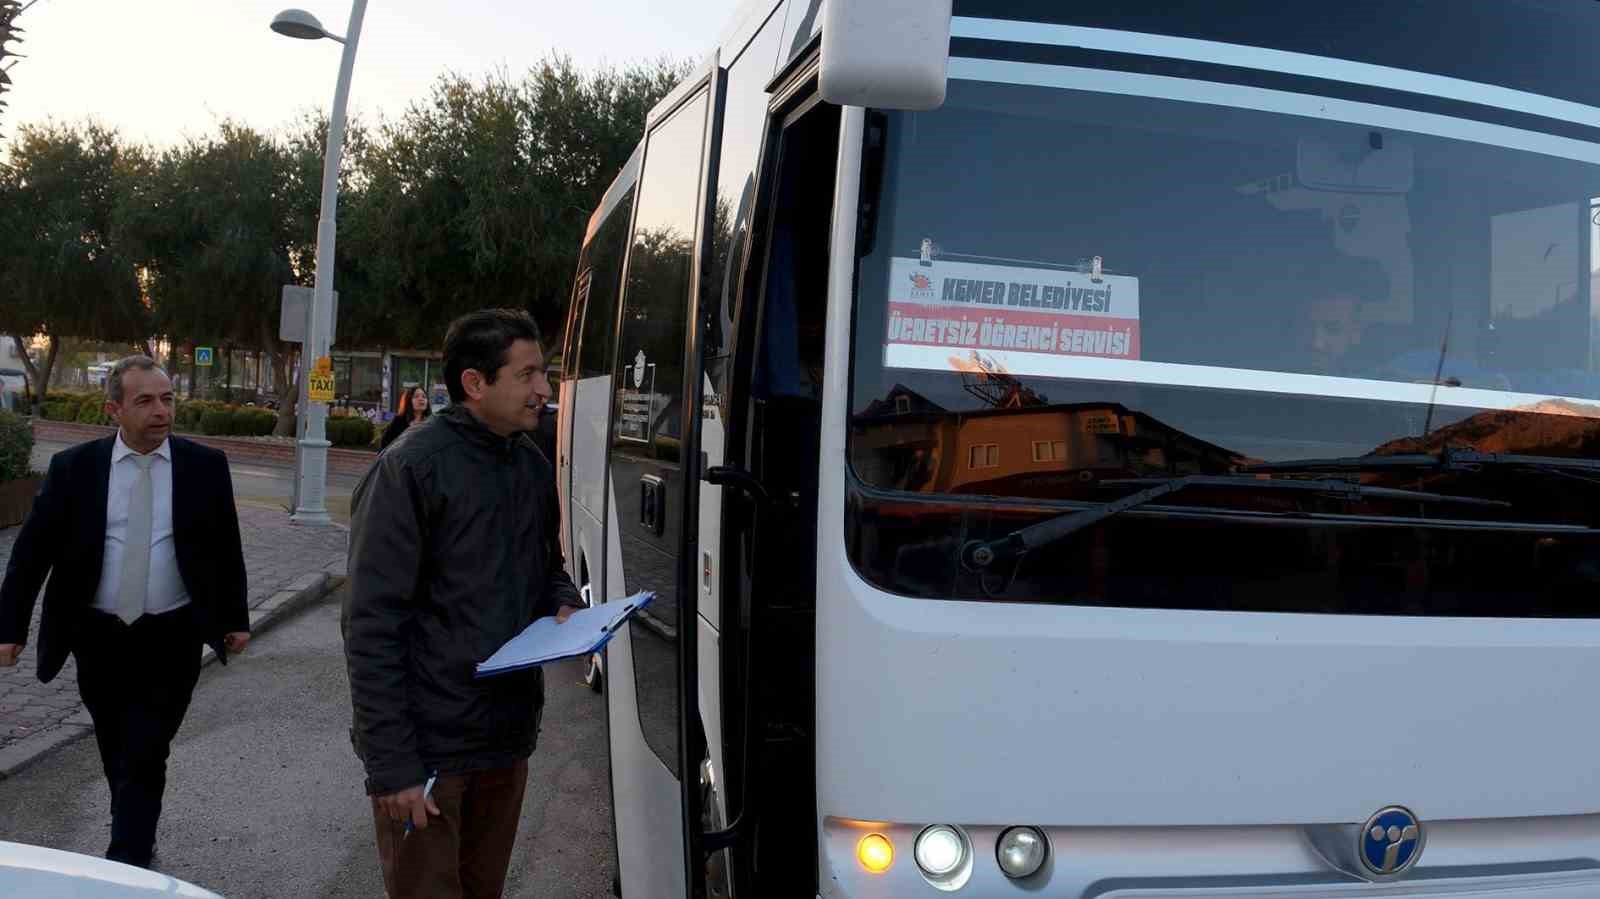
(464, 851)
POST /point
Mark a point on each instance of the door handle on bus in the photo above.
(737, 831)
(739, 479)
(653, 504)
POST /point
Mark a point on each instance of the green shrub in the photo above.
(216, 422)
(350, 430)
(266, 421)
(70, 405)
(250, 422)
(16, 447)
(91, 412)
(192, 412)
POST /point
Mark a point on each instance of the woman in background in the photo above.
(413, 409)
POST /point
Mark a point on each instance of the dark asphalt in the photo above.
(264, 796)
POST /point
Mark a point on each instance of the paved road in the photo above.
(253, 484)
(265, 796)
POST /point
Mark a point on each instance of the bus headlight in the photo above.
(1021, 851)
(941, 850)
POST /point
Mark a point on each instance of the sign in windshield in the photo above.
(974, 306)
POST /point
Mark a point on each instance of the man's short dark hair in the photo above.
(121, 369)
(481, 340)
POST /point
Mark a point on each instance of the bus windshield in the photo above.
(1079, 280)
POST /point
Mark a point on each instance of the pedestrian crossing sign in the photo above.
(202, 356)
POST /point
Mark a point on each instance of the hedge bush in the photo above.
(93, 412)
(87, 408)
(350, 430)
(60, 410)
(186, 417)
(254, 422)
(216, 422)
(190, 413)
(16, 447)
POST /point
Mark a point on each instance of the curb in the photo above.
(301, 592)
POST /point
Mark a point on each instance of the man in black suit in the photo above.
(139, 537)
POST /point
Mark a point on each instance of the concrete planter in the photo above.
(16, 500)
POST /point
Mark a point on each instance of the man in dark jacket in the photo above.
(138, 536)
(454, 550)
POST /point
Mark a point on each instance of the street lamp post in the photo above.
(311, 470)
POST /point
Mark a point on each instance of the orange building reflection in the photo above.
(1031, 448)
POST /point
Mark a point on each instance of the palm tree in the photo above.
(9, 34)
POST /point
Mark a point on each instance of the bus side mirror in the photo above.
(886, 54)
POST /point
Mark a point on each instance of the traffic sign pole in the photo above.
(312, 474)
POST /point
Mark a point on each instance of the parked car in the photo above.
(36, 871)
(13, 384)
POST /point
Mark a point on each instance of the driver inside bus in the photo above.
(1329, 331)
(1332, 338)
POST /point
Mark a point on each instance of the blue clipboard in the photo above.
(543, 641)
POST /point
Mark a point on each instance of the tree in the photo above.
(304, 145)
(479, 196)
(582, 129)
(62, 274)
(9, 34)
(221, 223)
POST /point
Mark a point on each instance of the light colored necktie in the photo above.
(136, 547)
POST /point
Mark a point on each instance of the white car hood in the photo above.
(36, 871)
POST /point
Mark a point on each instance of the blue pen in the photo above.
(427, 790)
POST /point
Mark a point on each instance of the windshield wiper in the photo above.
(978, 555)
(1447, 459)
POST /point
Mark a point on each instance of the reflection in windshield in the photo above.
(1020, 446)
(1124, 286)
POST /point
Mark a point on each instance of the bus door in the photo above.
(769, 534)
(655, 735)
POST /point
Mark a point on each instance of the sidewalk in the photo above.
(288, 565)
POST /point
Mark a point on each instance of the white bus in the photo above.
(1137, 449)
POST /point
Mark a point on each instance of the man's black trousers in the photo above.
(136, 680)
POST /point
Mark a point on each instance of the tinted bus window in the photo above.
(604, 256)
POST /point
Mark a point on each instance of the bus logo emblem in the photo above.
(1390, 842)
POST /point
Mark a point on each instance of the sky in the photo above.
(160, 70)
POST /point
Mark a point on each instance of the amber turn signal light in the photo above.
(875, 853)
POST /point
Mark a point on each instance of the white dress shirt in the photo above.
(166, 586)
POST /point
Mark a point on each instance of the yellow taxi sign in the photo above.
(319, 382)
